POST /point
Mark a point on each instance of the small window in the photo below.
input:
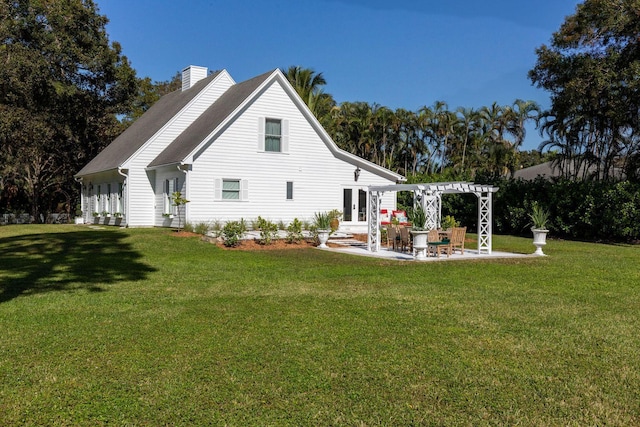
(231, 189)
(289, 190)
(273, 135)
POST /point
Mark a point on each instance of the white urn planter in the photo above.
(539, 240)
(79, 220)
(420, 243)
(323, 237)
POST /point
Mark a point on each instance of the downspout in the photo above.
(125, 189)
(79, 181)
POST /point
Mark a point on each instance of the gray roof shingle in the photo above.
(208, 121)
(136, 135)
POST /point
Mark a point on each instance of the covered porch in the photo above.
(429, 196)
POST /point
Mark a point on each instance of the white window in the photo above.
(170, 186)
(273, 135)
(231, 189)
(289, 190)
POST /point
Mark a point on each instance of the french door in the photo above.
(354, 205)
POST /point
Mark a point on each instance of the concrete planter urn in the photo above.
(539, 240)
(323, 237)
(79, 220)
(420, 243)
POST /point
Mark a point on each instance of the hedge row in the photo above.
(581, 210)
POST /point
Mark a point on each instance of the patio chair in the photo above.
(437, 246)
(457, 239)
(405, 239)
(392, 237)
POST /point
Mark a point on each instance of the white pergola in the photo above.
(430, 197)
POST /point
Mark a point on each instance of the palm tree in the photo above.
(307, 84)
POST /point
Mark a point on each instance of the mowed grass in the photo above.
(140, 327)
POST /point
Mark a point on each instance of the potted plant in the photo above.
(322, 224)
(539, 217)
(418, 218)
(335, 216)
(79, 219)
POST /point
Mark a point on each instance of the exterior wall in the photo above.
(318, 177)
(142, 195)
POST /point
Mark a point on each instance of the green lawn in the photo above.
(139, 327)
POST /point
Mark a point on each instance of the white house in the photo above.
(234, 150)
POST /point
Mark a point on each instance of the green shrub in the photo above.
(449, 222)
(232, 232)
(294, 231)
(268, 231)
(188, 227)
(202, 228)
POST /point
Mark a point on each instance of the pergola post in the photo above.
(484, 223)
(373, 213)
(431, 204)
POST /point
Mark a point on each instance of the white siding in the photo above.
(143, 191)
(318, 176)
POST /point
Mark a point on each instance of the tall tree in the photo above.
(309, 85)
(62, 86)
(591, 69)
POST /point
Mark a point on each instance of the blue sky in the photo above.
(401, 54)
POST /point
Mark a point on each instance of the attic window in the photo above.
(273, 135)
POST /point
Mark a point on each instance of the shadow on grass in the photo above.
(39, 263)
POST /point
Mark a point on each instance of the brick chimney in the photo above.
(191, 75)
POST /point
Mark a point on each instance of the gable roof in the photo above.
(197, 133)
(136, 135)
(208, 121)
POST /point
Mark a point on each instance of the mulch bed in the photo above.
(255, 245)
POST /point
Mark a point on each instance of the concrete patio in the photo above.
(345, 243)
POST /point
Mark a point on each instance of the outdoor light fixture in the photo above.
(356, 174)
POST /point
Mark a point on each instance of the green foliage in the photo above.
(322, 221)
(202, 228)
(179, 201)
(449, 222)
(232, 232)
(189, 227)
(268, 231)
(63, 87)
(585, 210)
(539, 216)
(591, 68)
(418, 217)
(294, 231)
